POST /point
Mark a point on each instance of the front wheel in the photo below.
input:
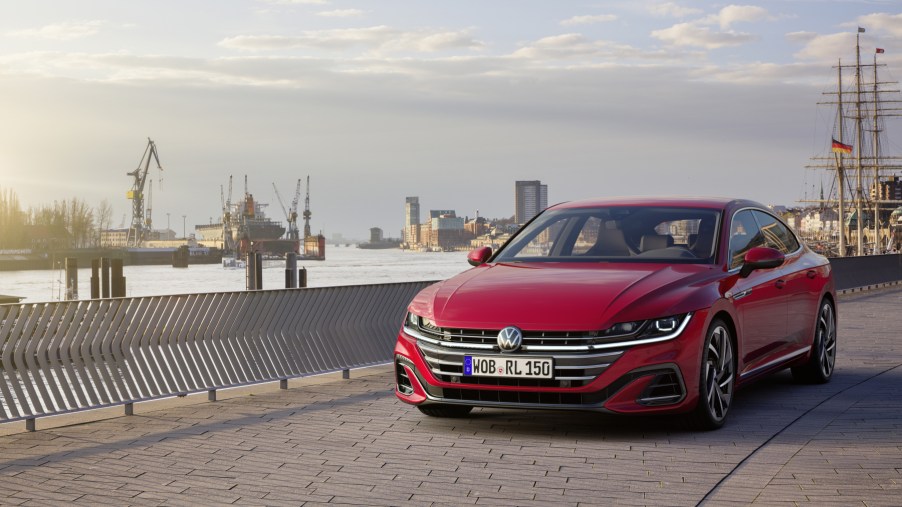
(819, 368)
(441, 410)
(715, 390)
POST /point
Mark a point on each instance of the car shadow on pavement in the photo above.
(761, 408)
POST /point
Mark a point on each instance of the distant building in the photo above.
(439, 213)
(412, 220)
(375, 235)
(113, 238)
(530, 197)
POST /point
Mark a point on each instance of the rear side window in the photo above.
(744, 235)
(776, 235)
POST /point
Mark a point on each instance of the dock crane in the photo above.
(307, 213)
(291, 214)
(228, 241)
(137, 232)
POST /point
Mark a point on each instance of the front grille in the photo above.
(573, 366)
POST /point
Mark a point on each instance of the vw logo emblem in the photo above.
(510, 339)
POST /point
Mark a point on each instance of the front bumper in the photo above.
(644, 378)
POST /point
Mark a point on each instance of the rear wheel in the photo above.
(819, 368)
(439, 410)
(715, 390)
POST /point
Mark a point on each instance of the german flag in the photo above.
(839, 147)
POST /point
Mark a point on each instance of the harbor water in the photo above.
(343, 266)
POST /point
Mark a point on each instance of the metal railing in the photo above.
(63, 357)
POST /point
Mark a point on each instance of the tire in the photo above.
(819, 368)
(439, 410)
(716, 379)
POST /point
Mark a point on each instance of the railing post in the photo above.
(346, 374)
(302, 277)
(129, 409)
(29, 424)
(211, 395)
(283, 383)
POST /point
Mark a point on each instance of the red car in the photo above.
(625, 306)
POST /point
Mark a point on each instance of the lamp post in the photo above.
(184, 235)
(168, 229)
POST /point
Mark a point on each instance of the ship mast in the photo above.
(876, 132)
(840, 173)
(858, 147)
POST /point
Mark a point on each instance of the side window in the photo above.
(744, 235)
(776, 235)
(588, 236)
(542, 242)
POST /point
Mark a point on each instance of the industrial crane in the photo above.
(228, 242)
(291, 214)
(307, 213)
(137, 232)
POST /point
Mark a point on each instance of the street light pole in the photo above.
(184, 235)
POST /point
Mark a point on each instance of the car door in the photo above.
(760, 300)
(796, 273)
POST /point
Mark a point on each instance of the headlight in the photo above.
(661, 329)
(412, 320)
(664, 327)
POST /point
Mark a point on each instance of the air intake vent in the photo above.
(404, 385)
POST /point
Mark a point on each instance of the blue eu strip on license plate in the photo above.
(468, 365)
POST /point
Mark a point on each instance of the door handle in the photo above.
(811, 273)
(780, 284)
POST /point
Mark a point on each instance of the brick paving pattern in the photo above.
(351, 442)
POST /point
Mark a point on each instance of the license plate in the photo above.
(515, 367)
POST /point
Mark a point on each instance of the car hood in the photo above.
(559, 297)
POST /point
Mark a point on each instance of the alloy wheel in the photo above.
(719, 373)
(826, 340)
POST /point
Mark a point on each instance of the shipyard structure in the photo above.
(244, 227)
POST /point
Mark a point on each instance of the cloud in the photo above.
(673, 10)
(61, 31)
(569, 46)
(376, 38)
(698, 34)
(589, 20)
(341, 13)
(882, 22)
(295, 2)
(691, 34)
(731, 14)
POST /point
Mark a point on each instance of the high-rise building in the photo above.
(530, 197)
(412, 220)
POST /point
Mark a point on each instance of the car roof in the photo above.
(664, 201)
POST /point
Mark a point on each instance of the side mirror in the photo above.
(761, 258)
(479, 256)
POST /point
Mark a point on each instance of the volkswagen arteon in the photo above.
(628, 306)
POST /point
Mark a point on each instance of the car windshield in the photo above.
(617, 234)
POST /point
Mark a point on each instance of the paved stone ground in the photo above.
(351, 442)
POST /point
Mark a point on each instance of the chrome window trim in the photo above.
(752, 208)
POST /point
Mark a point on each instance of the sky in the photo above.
(451, 101)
